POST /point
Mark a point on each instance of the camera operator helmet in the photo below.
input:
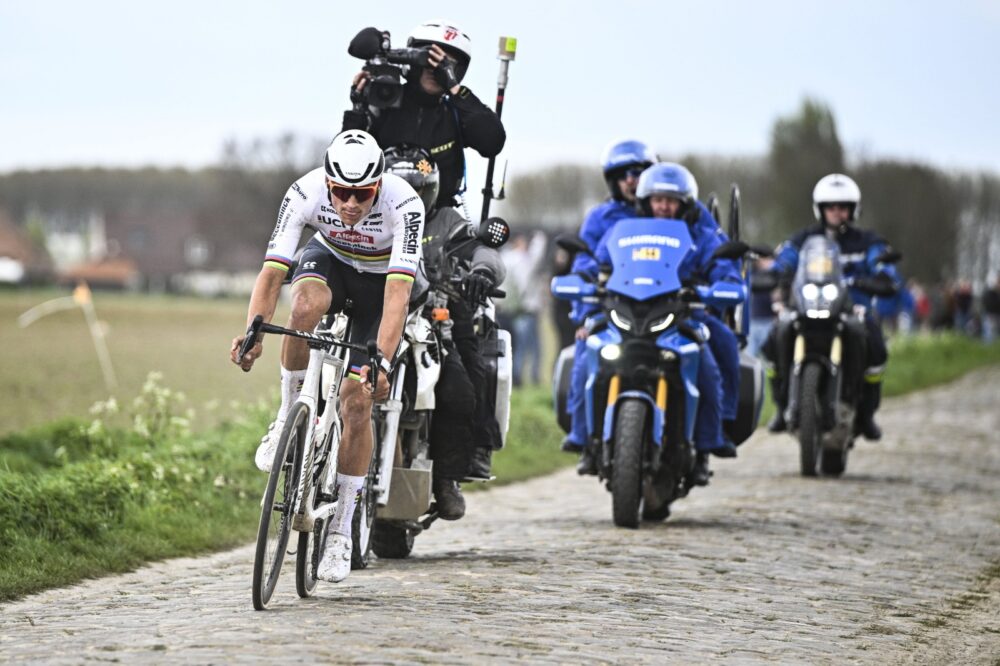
(449, 37)
(414, 165)
(836, 189)
(671, 180)
(624, 157)
(354, 160)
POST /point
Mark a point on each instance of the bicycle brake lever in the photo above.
(250, 339)
(374, 363)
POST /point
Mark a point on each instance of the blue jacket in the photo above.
(598, 222)
(859, 253)
(706, 236)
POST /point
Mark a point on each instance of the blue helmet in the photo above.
(669, 179)
(619, 157)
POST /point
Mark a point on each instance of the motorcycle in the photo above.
(401, 488)
(642, 365)
(822, 336)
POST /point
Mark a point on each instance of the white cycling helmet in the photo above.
(449, 37)
(836, 188)
(354, 159)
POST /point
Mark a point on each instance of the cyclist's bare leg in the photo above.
(356, 444)
(310, 301)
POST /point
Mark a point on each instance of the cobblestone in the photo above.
(897, 562)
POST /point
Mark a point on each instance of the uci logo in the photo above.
(450, 34)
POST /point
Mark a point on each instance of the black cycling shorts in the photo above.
(366, 292)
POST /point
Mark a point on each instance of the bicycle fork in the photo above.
(305, 516)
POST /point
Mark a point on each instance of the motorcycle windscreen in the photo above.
(646, 254)
(819, 261)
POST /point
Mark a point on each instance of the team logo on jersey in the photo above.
(424, 167)
(352, 236)
(411, 240)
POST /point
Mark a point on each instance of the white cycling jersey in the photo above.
(386, 241)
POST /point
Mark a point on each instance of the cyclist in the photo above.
(367, 249)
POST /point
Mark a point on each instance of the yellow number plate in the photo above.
(646, 254)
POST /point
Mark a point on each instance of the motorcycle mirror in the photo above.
(493, 232)
(731, 250)
(734, 212)
(890, 257)
(573, 244)
(712, 204)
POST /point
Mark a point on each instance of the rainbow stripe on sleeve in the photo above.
(400, 273)
(277, 261)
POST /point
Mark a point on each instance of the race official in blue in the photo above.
(670, 191)
(622, 164)
(836, 206)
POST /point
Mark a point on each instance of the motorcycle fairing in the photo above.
(646, 255)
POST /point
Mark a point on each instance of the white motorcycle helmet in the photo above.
(449, 37)
(354, 159)
(836, 188)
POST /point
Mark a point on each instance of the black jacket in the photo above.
(429, 121)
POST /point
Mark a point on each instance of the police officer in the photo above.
(622, 163)
(836, 206)
(437, 113)
(670, 191)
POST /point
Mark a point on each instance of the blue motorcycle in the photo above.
(642, 365)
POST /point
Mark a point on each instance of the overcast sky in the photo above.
(136, 83)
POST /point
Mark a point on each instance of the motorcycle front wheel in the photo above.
(626, 471)
(810, 429)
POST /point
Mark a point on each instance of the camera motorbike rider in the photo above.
(364, 250)
(431, 110)
(460, 413)
(670, 191)
(837, 206)
(622, 163)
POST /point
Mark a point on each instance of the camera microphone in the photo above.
(366, 44)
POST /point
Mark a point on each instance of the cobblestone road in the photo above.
(898, 562)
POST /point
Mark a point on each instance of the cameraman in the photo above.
(436, 113)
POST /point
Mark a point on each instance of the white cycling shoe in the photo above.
(336, 562)
(264, 457)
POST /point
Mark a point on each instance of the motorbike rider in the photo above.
(460, 416)
(622, 163)
(365, 249)
(837, 206)
(669, 191)
(437, 113)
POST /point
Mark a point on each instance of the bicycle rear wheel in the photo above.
(276, 508)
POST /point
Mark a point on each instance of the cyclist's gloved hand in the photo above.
(445, 75)
(478, 286)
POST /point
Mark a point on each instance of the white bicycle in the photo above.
(299, 492)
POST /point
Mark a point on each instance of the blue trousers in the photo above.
(576, 403)
(725, 348)
(708, 420)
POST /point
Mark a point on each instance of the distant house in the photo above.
(22, 261)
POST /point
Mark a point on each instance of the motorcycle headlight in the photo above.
(661, 324)
(810, 292)
(830, 292)
(621, 321)
(611, 352)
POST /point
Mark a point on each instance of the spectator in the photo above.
(963, 306)
(562, 263)
(762, 297)
(525, 293)
(991, 311)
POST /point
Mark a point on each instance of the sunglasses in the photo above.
(633, 172)
(361, 194)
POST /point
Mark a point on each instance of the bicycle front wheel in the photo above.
(276, 508)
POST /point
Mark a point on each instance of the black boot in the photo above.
(864, 422)
(588, 462)
(449, 500)
(480, 465)
(701, 474)
(777, 423)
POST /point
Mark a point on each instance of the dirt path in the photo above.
(897, 562)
